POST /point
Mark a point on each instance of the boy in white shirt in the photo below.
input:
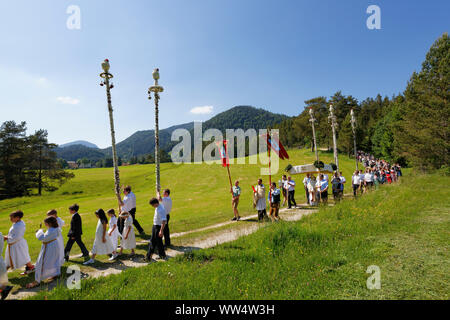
(356, 182)
(159, 222)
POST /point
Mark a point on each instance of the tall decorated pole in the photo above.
(107, 76)
(156, 89)
(269, 133)
(334, 126)
(313, 121)
(353, 122)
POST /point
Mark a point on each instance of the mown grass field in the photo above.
(402, 228)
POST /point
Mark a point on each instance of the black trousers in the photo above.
(167, 232)
(291, 199)
(156, 243)
(121, 222)
(79, 242)
(262, 214)
(355, 189)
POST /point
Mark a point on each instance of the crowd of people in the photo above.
(109, 233)
(376, 172)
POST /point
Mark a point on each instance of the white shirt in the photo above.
(326, 177)
(361, 177)
(343, 179)
(368, 177)
(160, 215)
(356, 179)
(306, 181)
(167, 203)
(129, 202)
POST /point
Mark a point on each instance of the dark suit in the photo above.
(74, 235)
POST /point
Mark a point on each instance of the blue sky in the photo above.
(269, 54)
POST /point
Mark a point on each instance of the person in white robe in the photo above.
(61, 223)
(102, 243)
(128, 236)
(4, 288)
(17, 255)
(312, 190)
(48, 264)
(113, 231)
(260, 199)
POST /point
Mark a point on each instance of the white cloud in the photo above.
(202, 110)
(68, 100)
(42, 81)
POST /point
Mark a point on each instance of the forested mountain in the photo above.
(79, 151)
(142, 143)
(244, 117)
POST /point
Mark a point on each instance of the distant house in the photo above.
(72, 164)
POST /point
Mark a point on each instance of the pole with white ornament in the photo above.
(353, 123)
(106, 76)
(332, 118)
(156, 89)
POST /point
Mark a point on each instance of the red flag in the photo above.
(224, 153)
(275, 144)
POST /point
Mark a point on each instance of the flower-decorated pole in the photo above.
(156, 89)
(313, 121)
(107, 76)
(353, 122)
(334, 125)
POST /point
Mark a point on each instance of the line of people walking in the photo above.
(376, 172)
(286, 189)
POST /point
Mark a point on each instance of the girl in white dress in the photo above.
(4, 288)
(102, 242)
(61, 223)
(312, 190)
(113, 232)
(128, 237)
(16, 255)
(48, 264)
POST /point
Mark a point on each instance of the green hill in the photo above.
(79, 151)
(244, 117)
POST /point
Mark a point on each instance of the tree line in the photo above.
(28, 163)
(410, 128)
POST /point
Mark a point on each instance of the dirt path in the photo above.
(222, 236)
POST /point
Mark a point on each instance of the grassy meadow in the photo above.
(200, 193)
(402, 228)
